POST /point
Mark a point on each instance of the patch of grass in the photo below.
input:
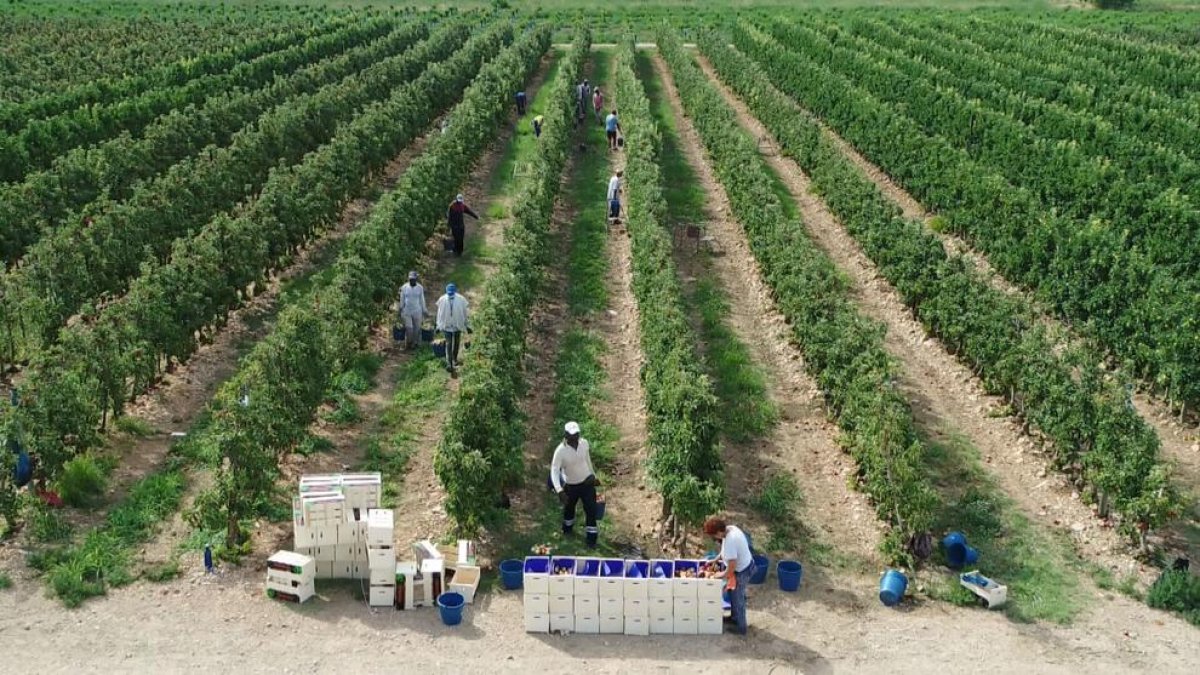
(47, 526)
(164, 572)
(1177, 591)
(82, 482)
(313, 444)
(580, 393)
(524, 143)
(1036, 565)
(134, 426)
(345, 410)
(497, 211)
(682, 191)
(587, 266)
(778, 502)
(5, 581)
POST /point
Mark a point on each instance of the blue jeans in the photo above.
(737, 598)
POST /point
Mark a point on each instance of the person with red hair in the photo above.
(739, 566)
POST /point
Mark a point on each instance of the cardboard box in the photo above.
(612, 625)
(465, 581)
(710, 626)
(537, 602)
(586, 605)
(661, 607)
(686, 625)
(637, 625)
(636, 607)
(587, 624)
(562, 604)
(382, 596)
(562, 623)
(662, 626)
(612, 606)
(537, 622)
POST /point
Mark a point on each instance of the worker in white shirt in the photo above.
(739, 566)
(614, 195)
(575, 480)
(412, 310)
(453, 320)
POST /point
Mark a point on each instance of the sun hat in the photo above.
(572, 428)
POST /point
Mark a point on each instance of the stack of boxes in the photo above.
(609, 596)
(291, 576)
(381, 557)
(330, 522)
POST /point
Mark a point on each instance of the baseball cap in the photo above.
(459, 198)
(451, 289)
(412, 275)
(572, 428)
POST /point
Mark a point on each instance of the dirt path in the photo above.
(419, 505)
(630, 500)
(804, 442)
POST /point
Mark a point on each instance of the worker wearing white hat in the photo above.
(574, 480)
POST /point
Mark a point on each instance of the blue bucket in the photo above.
(512, 574)
(450, 606)
(958, 553)
(426, 335)
(439, 349)
(891, 587)
(599, 510)
(762, 565)
(790, 573)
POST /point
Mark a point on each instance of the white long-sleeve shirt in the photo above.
(452, 313)
(412, 300)
(572, 464)
(614, 187)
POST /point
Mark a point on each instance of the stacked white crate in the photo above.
(562, 596)
(381, 557)
(662, 596)
(536, 585)
(293, 574)
(612, 597)
(683, 597)
(709, 611)
(636, 601)
(330, 522)
(587, 596)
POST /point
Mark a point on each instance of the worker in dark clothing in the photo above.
(455, 217)
(520, 103)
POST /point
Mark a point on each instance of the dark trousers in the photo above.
(453, 342)
(585, 491)
(459, 232)
(614, 208)
(520, 106)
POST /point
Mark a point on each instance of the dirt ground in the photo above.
(223, 622)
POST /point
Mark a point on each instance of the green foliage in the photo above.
(1081, 409)
(685, 461)
(1113, 4)
(134, 426)
(163, 572)
(481, 452)
(81, 482)
(49, 526)
(6, 581)
(1177, 591)
(843, 349)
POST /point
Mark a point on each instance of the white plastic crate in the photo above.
(382, 596)
(536, 576)
(465, 581)
(685, 587)
(562, 623)
(587, 624)
(290, 562)
(380, 575)
(587, 577)
(706, 609)
(343, 569)
(612, 606)
(345, 552)
(686, 625)
(302, 594)
(562, 604)
(710, 626)
(537, 602)
(636, 607)
(586, 605)
(537, 622)
(662, 625)
(380, 527)
(324, 553)
(637, 582)
(562, 584)
(684, 606)
(612, 624)
(381, 557)
(291, 586)
(324, 569)
(661, 607)
(710, 589)
(637, 625)
(662, 586)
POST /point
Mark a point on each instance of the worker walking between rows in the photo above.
(598, 104)
(575, 480)
(521, 103)
(412, 310)
(614, 195)
(458, 228)
(612, 126)
(453, 319)
(537, 126)
(739, 566)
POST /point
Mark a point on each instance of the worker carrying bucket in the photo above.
(574, 480)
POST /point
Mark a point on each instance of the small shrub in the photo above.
(82, 482)
(164, 572)
(5, 581)
(1177, 591)
(134, 426)
(48, 526)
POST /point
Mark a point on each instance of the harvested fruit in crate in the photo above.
(540, 549)
(685, 574)
(563, 571)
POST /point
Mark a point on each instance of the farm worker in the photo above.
(537, 126)
(574, 480)
(455, 217)
(452, 320)
(611, 127)
(614, 195)
(598, 104)
(520, 102)
(412, 310)
(587, 92)
(739, 565)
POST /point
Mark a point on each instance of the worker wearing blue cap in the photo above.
(453, 320)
